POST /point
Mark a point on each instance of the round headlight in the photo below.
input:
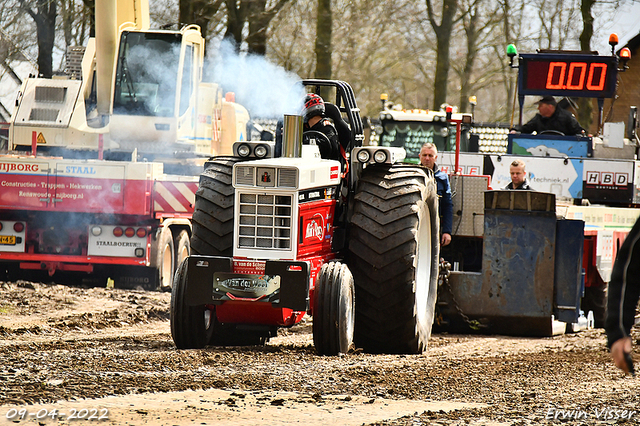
(96, 231)
(261, 151)
(363, 156)
(244, 150)
(380, 156)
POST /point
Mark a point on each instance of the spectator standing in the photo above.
(428, 157)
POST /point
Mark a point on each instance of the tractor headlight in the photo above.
(244, 150)
(260, 151)
(96, 231)
(363, 156)
(380, 156)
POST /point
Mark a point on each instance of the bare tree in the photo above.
(324, 27)
(199, 12)
(44, 16)
(259, 17)
(443, 32)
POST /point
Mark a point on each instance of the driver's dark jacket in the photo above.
(524, 185)
(329, 152)
(561, 121)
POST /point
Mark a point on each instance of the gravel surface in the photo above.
(69, 348)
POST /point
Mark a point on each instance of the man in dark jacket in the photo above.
(550, 117)
(428, 157)
(622, 298)
(518, 176)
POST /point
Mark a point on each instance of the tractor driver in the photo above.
(551, 118)
(313, 114)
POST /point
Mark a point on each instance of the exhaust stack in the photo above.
(292, 136)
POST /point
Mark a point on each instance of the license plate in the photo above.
(250, 286)
(7, 240)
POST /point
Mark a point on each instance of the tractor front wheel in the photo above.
(333, 309)
(191, 326)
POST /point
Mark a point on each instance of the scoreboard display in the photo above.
(573, 75)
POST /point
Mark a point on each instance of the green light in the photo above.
(511, 50)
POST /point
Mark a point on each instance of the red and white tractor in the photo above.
(354, 243)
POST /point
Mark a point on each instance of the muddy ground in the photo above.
(106, 355)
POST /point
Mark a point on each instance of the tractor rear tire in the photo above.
(333, 309)
(212, 220)
(191, 326)
(393, 255)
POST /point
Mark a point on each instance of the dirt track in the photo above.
(110, 351)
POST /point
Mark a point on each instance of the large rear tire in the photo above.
(393, 246)
(333, 309)
(191, 326)
(212, 220)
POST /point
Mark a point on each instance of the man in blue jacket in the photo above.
(428, 157)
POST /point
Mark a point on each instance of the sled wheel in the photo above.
(212, 219)
(393, 255)
(333, 309)
(165, 259)
(191, 326)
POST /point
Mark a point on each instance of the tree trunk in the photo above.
(585, 105)
(198, 12)
(235, 21)
(443, 42)
(323, 40)
(45, 19)
(258, 25)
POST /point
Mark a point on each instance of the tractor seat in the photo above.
(344, 132)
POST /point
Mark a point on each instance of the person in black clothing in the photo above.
(550, 117)
(518, 176)
(313, 114)
(622, 298)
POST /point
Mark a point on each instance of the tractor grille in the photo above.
(265, 221)
(288, 178)
(245, 176)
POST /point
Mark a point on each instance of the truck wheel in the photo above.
(181, 246)
(191, 326)
(333, 309)
(165, 260)
(212, 220)
(393, 255)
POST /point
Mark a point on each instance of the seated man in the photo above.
(313, 114)
(551, 118)
(518, 176)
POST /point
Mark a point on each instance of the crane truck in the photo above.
(101, 166)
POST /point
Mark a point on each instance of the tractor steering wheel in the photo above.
(317, 137)
(551, 132)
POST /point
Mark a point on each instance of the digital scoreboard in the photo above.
(562, 74)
